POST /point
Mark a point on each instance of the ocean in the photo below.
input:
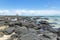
(55, 20)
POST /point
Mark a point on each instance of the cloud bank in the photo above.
(24, 12)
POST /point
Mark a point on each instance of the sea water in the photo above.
(55, 20)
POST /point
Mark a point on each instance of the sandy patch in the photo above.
(3, 27)
(5, 37)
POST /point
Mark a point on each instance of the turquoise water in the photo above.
(54, 19)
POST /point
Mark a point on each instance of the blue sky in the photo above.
(42, 7)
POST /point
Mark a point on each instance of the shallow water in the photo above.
(55, 20)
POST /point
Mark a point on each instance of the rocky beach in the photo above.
(29, 28)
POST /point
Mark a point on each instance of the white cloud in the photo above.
(30, 12)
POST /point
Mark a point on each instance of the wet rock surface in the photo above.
(28, 28)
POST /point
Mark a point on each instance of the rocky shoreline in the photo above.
(28, 28)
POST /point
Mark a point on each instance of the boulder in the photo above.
(30, 36)
(8, 30)
(21, 30)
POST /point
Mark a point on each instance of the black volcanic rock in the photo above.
(27, 28)
(44, 22)
(9, 30)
